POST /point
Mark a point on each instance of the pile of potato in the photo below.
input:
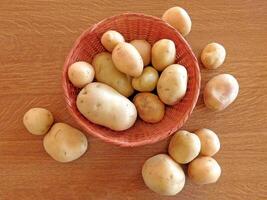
(164, 173)
(120, 71)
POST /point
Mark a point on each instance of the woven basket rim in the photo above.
(145, 141)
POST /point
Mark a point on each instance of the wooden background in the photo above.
(35, 37)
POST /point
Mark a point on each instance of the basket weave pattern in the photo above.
(135, 26)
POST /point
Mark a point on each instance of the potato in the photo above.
(144, 49)
(106, 72)
(110, 39)
(184, 147)
(204, 170)
(220, 92)
(179, 19)
(213, 55)
(163, 176)
(38, 120)
(210, 143)
(127, 59)
(163, 54)
(65, 143)
(81, 73)
(103, 105)
(147, 81)
(149, 107)
(172, 84)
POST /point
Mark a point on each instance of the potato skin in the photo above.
(184, 146)
(65, 143)
(220, 92)
(81, 73)
(210, 143)
(127, 59)
(110, 39)
(38, 120)
(172, 84)
(147, 81)
(106, 72)
(163, 54)
(213, 55)
(149, 107)
(163, 176)
(179, 19)
(103, 105)
(204, 170)
(144, 49)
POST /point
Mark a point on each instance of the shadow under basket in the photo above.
(134, 26)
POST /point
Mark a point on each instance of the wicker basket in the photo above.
(134, 26)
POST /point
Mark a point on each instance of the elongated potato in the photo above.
(184, 147)
(220, 92)
(163, 176)
(172, 84)
(103, 105)
(110, 39)
(65, 143)
(144, 48)
(106, 72)
(179, 19)
(38, 120)
(147, 81)
(163, 54)
(127, 59)
(149, 107)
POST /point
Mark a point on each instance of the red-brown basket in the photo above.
(135, 26)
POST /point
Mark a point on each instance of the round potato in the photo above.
(110, 39)
(147, 81)
(144, 49)
(127, 59)
(81, 73)
(106, 72)
(38, 120)
(103, 105)
(213, 55)
(163, 176)
(204, 170)
(220, 92)
(172, 84)
(149, 107)
(184, 147)
(210, 143)
(65, 143)
(179, 19)
(163, 54)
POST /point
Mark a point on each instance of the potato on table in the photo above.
(65, 143)
(127, 59)
(106, 72)
(163, 176)
(172, 84)
(147, 81)
(204, 170)
(149, 107)
(144, 48)
(213, 55)
(163, 54)
(110, 39)
(38, 120)
(103, 105)
(184, 146)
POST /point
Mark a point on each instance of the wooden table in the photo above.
(35, 37)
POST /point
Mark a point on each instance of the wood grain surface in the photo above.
(35, 37)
